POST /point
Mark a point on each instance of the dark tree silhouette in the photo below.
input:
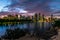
(57, 23)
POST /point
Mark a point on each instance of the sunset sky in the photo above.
(30, 6)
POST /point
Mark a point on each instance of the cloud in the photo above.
(31, 5)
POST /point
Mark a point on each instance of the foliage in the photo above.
(57, 23)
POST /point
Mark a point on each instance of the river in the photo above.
(29, 26)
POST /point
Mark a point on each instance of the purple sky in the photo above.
(30, 6)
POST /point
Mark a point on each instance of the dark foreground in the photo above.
(55, 37)
(19, 34)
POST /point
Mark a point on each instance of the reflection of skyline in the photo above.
(32, 6)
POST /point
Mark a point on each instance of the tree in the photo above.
(57, 23)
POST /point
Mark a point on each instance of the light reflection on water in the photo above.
(29, 26)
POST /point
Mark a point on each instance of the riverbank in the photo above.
(27, 37)
(56, 37)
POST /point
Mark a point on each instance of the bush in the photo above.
(57, 23)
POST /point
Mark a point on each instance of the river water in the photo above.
(29, 26)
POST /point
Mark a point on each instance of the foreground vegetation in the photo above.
(57, 23)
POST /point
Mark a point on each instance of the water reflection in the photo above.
(30, 26)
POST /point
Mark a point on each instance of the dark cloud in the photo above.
(31, 5)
